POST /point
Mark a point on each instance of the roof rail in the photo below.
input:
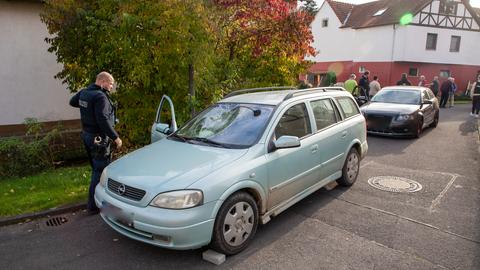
(253, 90)
(312, 90)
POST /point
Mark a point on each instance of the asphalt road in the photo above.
(361, 227)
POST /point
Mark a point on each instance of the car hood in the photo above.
(169, 165)
(389, 108)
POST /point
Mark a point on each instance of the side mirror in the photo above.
(287, 142)
(163, 128)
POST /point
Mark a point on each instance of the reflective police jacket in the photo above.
(97, 112)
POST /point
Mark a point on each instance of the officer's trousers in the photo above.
(98, 163)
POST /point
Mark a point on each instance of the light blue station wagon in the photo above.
(238, 163)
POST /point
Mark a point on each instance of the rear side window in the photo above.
(348, 106)
(294, 122)
(324, 112)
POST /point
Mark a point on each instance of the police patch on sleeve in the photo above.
(83, 103)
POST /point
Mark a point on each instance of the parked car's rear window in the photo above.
(348, 106)
(324, 112)
(233, 125)
(294, 122)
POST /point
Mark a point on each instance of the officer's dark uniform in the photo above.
(98, 119)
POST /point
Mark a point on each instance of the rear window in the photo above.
(348, 106)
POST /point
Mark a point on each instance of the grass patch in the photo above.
(56, 187)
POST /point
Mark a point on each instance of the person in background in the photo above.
(374, 87)
(422, 81)
(435, 86)
(364, 84)
(475, 94)
(404, 80)
(451, 97)
(445, 90)
(351, 84)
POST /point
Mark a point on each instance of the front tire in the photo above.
(235, 225)
(419, 129)
(435, 121)
(350, 169)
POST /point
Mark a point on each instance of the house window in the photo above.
(448, 7)
(431, 41)
(455, 44)
(325, 22)
(413, 72)
(362, 69)
(380, 12)
(444, 73)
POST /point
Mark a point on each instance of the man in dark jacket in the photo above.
(435, 85)
(404, 80)
(364, 84)
(445, 89)
(97, 114)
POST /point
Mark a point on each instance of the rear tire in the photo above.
(235, 225)
(350, 170)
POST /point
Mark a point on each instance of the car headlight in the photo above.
(404, 117)
(179, 199)
(103, 178)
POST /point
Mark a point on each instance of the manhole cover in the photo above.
(56, 221)
(394, 184)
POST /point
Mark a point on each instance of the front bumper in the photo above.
(175, 229)
(388, 127)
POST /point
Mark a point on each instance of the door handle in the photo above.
(344, 134)
(314, 148)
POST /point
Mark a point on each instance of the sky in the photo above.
(475, 3)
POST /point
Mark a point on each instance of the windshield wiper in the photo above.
(207, 141)
(176, 136)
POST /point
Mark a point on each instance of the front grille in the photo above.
(379, 123)
(125, 191)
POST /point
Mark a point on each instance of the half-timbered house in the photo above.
(391, 37)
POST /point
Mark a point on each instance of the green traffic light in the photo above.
(406, 19)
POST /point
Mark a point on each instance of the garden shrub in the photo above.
(28, 155)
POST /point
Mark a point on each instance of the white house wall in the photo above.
(411, 46)
(372, 44)
(27, 86)
(331, 43)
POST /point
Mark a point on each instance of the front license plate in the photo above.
(117, 214)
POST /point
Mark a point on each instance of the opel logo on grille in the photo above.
(121, 189)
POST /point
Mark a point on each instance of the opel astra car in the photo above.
(401, 111)
(235, 165)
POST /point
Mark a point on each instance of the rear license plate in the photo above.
(117, 214)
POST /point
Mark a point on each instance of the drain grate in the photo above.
(395, 184)
(56, 221)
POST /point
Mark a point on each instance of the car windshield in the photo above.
(229, 125)
(401, 96)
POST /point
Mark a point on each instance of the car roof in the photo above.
(278, 96)
(404, 87)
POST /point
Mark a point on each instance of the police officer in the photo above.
(97, 114)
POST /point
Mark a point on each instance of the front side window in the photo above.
(348, 106)
(324, 113)
(231, 125)
(431, 41)
(425, 96)
(294, 122)
(455, 44)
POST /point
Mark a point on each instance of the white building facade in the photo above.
(28, 88)
(391, 37)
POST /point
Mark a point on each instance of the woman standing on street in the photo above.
(475, 94)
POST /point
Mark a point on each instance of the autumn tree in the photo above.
(147, 45)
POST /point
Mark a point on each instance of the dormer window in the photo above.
(380, 12)
(448, 7)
